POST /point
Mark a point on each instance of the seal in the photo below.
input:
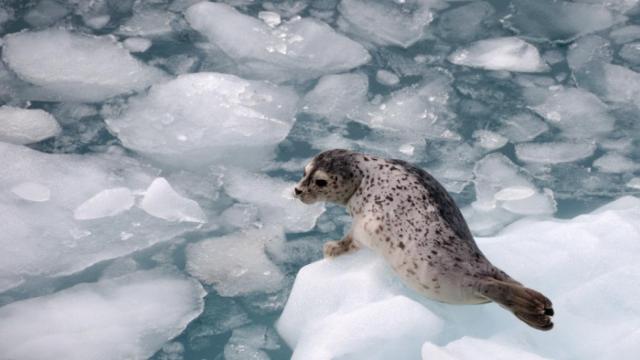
(404, 214)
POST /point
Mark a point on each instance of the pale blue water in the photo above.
(480, 100)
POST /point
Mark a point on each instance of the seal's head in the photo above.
(331, 176)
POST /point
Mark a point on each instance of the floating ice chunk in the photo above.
(621, 6)
(489, 139)
(634, 183)
(32, 191)
(522, 127)
(485, 222)
(386, 22)
(69, 245)
(236, 264)
(388, 78)
(495, 174)
(202, 118)
(555, 152)
(97, 22)
(26, 126)
(625, 34)
(561, 21)
(162, 201)
(337, 96)
(465, 23)
(578, 113)
(4, 17)
(468, 348)
(514, 193)
(46, 13)
(300, 49)
(270, 18)
(354, 305)
(274, 199)
(249, 341)
(109, 202)
(613, 83)
(588, 49)
(148, 23)
(615, 163)
(128, 317)
(407, 149)
(505, 53)
(65, 66)
(631, 53)
(137, 44)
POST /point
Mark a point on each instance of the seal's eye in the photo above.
(321, 183)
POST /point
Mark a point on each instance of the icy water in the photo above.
(149, 149)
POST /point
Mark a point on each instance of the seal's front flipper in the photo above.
(527, 304)
(335, 248)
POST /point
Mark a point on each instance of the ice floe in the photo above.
(204, 118)
(26, 126)
(67, 66)
(127, 317)
(506, 53)
(299, 49)
(554, 152)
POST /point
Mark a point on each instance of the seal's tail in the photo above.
(528, 305)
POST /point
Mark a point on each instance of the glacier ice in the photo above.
(505, 53)
(386, 22)
(323, 319)
(67, 66)
(199, 119)
(296, 50)
(26, 126)
(42, 193)
(236, 264)
(127, 317)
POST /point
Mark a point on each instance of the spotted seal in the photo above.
(402, 213)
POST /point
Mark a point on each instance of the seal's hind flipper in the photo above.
(527, 304)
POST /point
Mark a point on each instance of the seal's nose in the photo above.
(297, 191)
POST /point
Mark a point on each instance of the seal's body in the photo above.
(405, 215)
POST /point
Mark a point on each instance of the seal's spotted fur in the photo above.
(404, 214)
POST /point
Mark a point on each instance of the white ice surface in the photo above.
(203, 118)
(506, 53)
(39, 194)
(26, 126)
(162, 201)
(128, 317)
(386, 22)
(67, 66)
(337, 97)
(296, 50)
(236, 264)
(355, 302)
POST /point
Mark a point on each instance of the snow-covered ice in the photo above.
(127, 317)
(26, 126)
(299, 49)
(199, 119)
(377, 313)
(68, 66)
(506, 53)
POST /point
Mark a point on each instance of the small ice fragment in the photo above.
(514, 193)
(386, 77)
(554, 152)
(505, 53)
(97, 22)
(407, 149)
(270, 18)
(137, 44)
(489, 139)
(236, 264)
(32, 191)
(162, 201)
(26, 126)
(148, 23)
(634, 183)
(631, 53)
(615, 163)
(108, 202)
(46, 13)
(625, 34)
(523, 127)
